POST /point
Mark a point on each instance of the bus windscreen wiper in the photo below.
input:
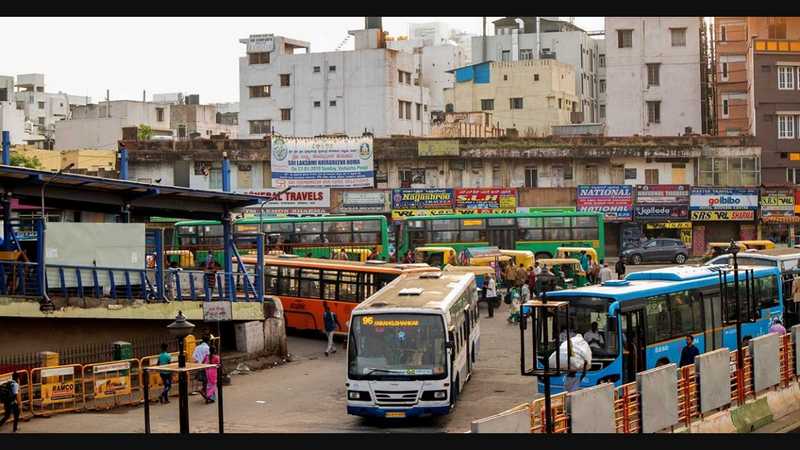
(393, 372)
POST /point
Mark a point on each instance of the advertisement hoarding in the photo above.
(776, 202)
(614, 200)
(723, 204)
(325, 162)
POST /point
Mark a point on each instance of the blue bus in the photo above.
(643, 320)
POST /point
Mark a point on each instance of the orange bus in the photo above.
(302, 284)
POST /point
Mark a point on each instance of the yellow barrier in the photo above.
(186, 257)
(56, 389)
(24, 394)
(110, 384)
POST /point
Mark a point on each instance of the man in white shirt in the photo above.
(605, 274)
(199, 356)
(594, 338)
(491, 293)
(537, 269)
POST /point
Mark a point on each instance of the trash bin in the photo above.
(122, 350)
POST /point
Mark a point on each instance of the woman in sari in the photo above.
(211, 375)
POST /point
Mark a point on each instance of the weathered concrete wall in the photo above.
(658, 389)
(766, 362)
(274, 328)
(713, 368)
(547, 197)
(592, 410)
(249, 336)
(516, 420)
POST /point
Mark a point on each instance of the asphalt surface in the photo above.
(308, 395)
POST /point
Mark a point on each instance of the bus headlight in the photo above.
(359, 395)
(434, 395)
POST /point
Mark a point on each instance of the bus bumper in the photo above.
(417, 411)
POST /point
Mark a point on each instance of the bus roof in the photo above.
(774, 252)
(436, 293)
(509, 215)
(333, 264)
(194, 223)
(655, 282)
(249, 220)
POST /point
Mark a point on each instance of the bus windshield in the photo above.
(397, 346)
(589, 317)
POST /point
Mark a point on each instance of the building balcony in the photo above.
(776, 46)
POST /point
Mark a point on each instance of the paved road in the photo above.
(308, 395)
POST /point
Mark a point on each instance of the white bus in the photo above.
(412, 346)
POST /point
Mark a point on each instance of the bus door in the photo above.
(501, 233)
(633, 344)
(791, 310)
(712, 320)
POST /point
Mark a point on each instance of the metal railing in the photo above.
(211, 285)
(68, 281)
(19, 278)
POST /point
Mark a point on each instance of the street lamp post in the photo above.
(46, 304)
(181, 328)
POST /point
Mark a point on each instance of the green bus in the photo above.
(539, 232)
(315, 236)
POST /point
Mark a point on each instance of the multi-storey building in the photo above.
(730, 75)
(369, 89)
(516, 38)
(530, 96)
(602, 81)
(653, 76)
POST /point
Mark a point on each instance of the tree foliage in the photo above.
(31, 162)
(145, 132)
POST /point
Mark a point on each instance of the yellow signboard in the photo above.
(112, 379)
(437, 147)
(57, 392)
(718, 216)
(370, 320)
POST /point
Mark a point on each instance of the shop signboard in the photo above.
(112, 379)
(797, 201)
(662, 202)
(375, 201)
(481, 198)
(437, 147)
(296, 197)
(723, 204)
(614, 200)
(324, 162)
(443, 201)
(776, 202)
(431, 198)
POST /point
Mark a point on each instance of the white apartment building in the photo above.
(653, 75)
(602, 80)
(437, 60)
(370, 88)
(100, 126)
(516, 38)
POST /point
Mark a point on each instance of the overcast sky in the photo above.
(86, 56)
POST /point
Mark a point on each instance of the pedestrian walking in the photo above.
(604, 274)
(620, 268)
(689, 353)
(584, 261)
(777, 327)
(211, 375)
(537, 269)
(521, 276)
(491, 293)
(510, 275)
(199, 355)
(166, 377)
(8, 394)
(331, 325)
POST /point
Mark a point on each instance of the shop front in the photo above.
(778, 217)
(663, 211)
(616, 202)
(722, 214)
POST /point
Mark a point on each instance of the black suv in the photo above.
(657, 250)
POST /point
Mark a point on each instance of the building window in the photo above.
(654, 112)
(260, 91)
(259, 58)
(41, 121)
(785, 126)
(785, 77)
(317, 104)
(215, 178)
(725, 108)
(331, 68)
(497, 176)
(285, 78)
(776, 28)
(559, 103)
(487, 104)
(260, 126)
(531, 177)
(729, 171)
(332, 103)
(286, 113)
(419, 111)
(602, 111)
(603, 86)
(678, 37)
(793, 175)
(403, 77)
(404, 109)
(651, 176)
(590, 175)
(515, 103)
(505, 55)
(536, 77)
(653, 74)
(408, 110)
(449, 108)
(525, 53)
(601, 60)
(722, 33)
(724, 71)
(316, 69)
(41, 105)
(409, 177)
(160, 114)
(624, 39)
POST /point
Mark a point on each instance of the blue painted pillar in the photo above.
(158, 243)
(40, 253)
(226, 173)
(227, 239)
(260, 267)
(123, 163)
(8, 231)
(6, 148)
